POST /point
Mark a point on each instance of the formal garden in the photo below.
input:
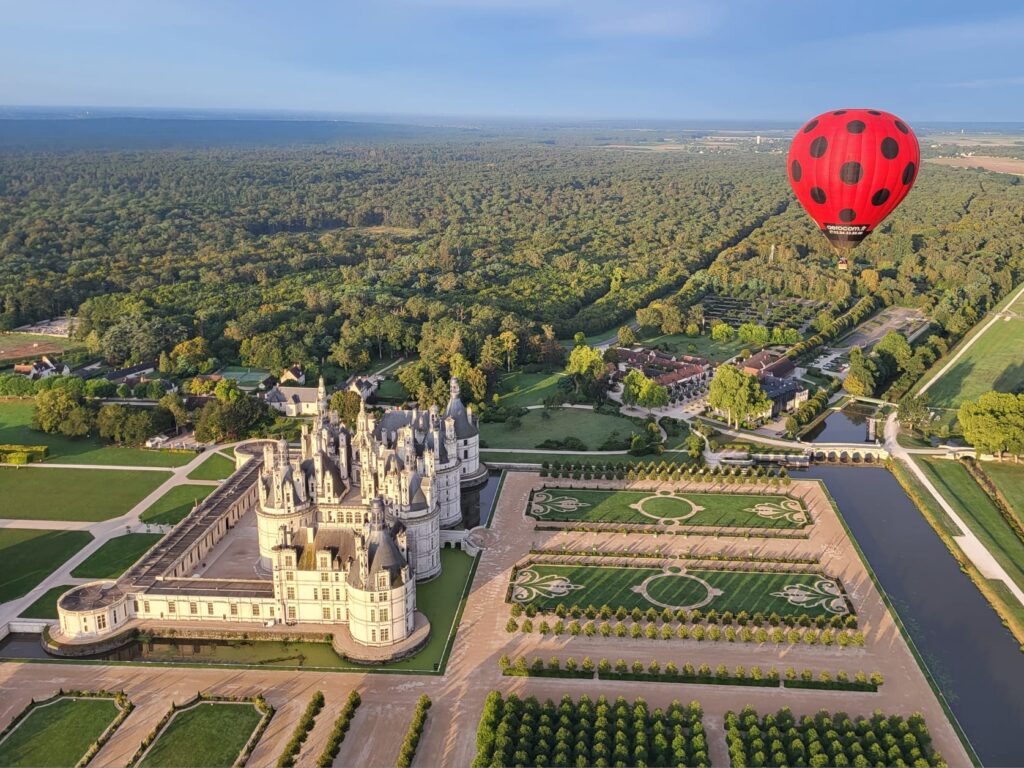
(668, 508)
(527, 732)
(543, 427)
(827, 740)
(30, 555)
(750, 589)
(65, 730)
(207, 732)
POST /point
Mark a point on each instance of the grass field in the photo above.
(391, 389)
(29, 556)
(208, 735)
(704, 346)
(33, 493)
(115, 556)
(172, 507)
(16, 345)
(215, 467)
(488, 455)
(1009, 478)
(15, 427)
(703, 509)
(992, 362)
(592, 428)
(45, 607)
(548, 585)
(977, 510)
(518, 389)
(57, 734)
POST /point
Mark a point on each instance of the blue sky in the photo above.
(671, 59)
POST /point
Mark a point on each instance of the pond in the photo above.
(478, 504)
(973, 658)
(847, 425)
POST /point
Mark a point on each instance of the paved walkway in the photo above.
(450, 734)
(969, 544)
(102, 531)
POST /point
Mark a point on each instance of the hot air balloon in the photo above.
(850, 169)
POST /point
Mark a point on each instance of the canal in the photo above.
(973, 658)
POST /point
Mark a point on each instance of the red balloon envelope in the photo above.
(850, 168)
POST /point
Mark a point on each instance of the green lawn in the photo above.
(46, 606)
(518, 389)
(172, 507)
(35, 493)
(679, 344)
(1009, 478)
(548, 585)
(15, 427)
(215, 467)
(977, 510)
(993, 362)
(669, 509)
(57, 734)
(208, 735)
(592, 428)
(487, 455)
(391, 389)
(29, 556)
(115, 556)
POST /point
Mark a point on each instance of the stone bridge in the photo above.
(848, 453)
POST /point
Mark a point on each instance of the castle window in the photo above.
(135, 605)
(271, 610)
(172, 608)
(325, 594)
(372, 597)
(337, 594)
(193, 608)
(101, 622)
(382, 597)
(289, 576)
(373, 614)
(383, 614)
(337, 614)
(291, 612)
(337, 577)
(234, 609)
(209, 609)
(323, 562)
(255, 609)
(325, 576)
(145, 606)
(373, 635)
(326, 614)
(384, 634)
(291, 593)
(288, 561)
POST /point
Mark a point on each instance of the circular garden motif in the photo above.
(667, 509)
(676, 589)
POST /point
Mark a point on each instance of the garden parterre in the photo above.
(668, 508)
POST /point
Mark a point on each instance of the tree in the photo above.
(189, 357)
(125, 425)
(752, 333)
(737, 395)
(579, 338)
(509, 345)
(913, 412)
(895, 347)
(994, 423)
(860, 379)
(626, 336)
(722, 332)
(175, 405)
(638, 389)
(552, 353)
(585, 366)
(347, 403)
(61, 411)
(227, 391)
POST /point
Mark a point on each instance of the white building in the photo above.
(293, 401)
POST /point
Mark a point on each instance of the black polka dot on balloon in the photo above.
(810, 126)
(796, 170)
(818, 146)
(851, 172)
(874, 112)
(839, 112)
(855, 126)
(901, 127)
(908, 173)
(818, 195)
(890, 148)
(847, 215)
(880, 196)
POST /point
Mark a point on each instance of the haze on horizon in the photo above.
(564, 59)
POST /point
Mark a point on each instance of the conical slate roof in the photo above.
(464, 427)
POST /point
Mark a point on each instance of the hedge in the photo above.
(301, 732)
(341, 726)
(412, 737)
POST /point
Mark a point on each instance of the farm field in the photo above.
(115, 556)
(45, 607)
(1009, 479)
(15, 427)
(547, 586)
(214, 467)
(992, 362)
(978, 511)
(33, 493)
(592, 428)
(207, 735)
(29, 556)
(520, 389)
(57, 734)
(15, 345)
(174, 505)
(986, 162)
(668, 508)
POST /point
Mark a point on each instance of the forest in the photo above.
(335, 255)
